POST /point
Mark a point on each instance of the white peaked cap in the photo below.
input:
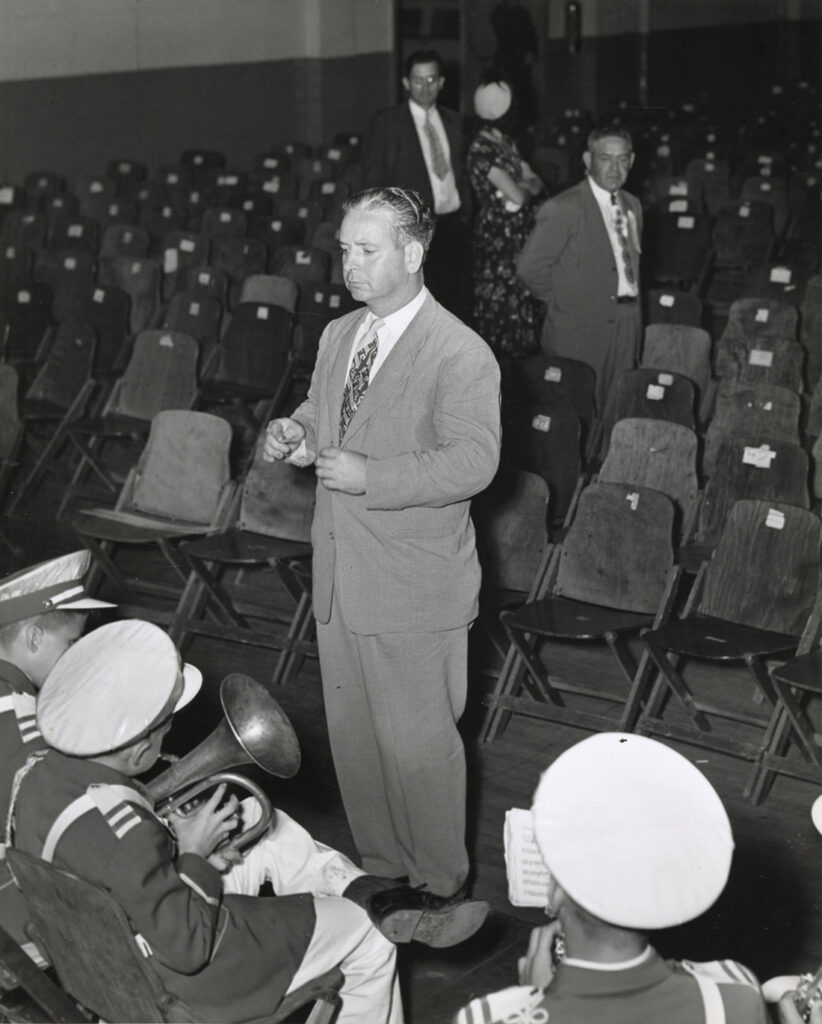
(47, 587)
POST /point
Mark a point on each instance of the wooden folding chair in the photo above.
(612, 575)
(269, 528)
(91, 943)
(180, 487)
(749, 603)
(766, 411)
(141, 278)
(11, 436)
(755, 317)
(760, 359)
(181, 250)
(673, 306)
(680, 348)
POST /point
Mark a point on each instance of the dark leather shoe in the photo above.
(404, 914)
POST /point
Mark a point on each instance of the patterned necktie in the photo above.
(359, 374)
(439, 163)
(621, 226)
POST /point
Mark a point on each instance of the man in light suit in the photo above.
(420, 146)
(396, 576)
(582, 260)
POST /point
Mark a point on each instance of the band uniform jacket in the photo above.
(19, 737)
(228, 957)
(568, 262)
(404, 552)
(392, 154)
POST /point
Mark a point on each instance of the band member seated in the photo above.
(104, 711)
(634, 838)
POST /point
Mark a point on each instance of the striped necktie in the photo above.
(621, 227)
(358, 376)
(439, 162)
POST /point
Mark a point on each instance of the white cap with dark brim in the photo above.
(55, 585)
(113, 686)
(632, 831)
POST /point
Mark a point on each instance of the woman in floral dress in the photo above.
(505, 315)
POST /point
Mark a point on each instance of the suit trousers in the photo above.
(393, 702)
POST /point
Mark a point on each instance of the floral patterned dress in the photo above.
(505, 314)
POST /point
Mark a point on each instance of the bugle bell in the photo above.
(254, 730)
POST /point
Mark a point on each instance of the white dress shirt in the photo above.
(603, 198)
(395, 323)
(446, 196)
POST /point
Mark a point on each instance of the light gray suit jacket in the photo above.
(404, 553)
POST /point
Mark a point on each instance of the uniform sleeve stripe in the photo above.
(193, 885)
(6, 704)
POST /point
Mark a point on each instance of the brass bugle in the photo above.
(254, 730)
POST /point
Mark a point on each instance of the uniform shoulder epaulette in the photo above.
(116, 804)
(24, 708)
(723, 972)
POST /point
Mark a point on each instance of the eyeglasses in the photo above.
(428, 80)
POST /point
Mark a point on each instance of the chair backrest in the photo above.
(182, 249)
(223, 222)
(546, 442)
(511, 522)
(761, 316)
(108, 309)
(556, 381)
(781, 282)
(140, 277)
(67, 366)
(161, 374)
(618, 549)
(810, 332)
(123, 240)
(743, 233)
(655, 394)
(673, 306)
(195, 314)
(184, 467)
(238, 257)
(9, 418)
(765, 570)
(278, 499)
(255, 345)
(750, 468)
(90, 943)
(764, 411)
(760, 359)
(679, 246)
(679, 348)
(656, 454)
(271, 289)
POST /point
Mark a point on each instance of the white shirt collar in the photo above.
(395, 325)
(420, 113)
(602, 194)
(621, 965)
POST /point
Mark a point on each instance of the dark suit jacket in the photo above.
(392, 154)
(403, 554)
(568, 262)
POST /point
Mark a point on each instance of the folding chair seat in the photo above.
(159, 218)
(200, 317)
(747, 467)
(58, 396)
(74, 275)
(678, 249)
(108, 309)
(28, 312)
(758, 317)
(270, 531)
(127, 175)
(612, 575)
(511, 522)
(548, 442)
(780, 282)
(76, 233)
(91, 943)
(182, 249)
(309, 267)
(308, 211)
(141, 278)
(252, 362)
(660, 455)
(91, 188)
(223, 222)
(161, 374)
(24, 229)
(810, 329)
(771, 190)
(276, 230)
(749, 604)
(760, 359)
(120, 240)
(206, 281)
(40, 186)
(270, 289)
(766, 411)
(180, 487)
(238, 257)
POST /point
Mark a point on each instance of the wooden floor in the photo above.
(770, 916)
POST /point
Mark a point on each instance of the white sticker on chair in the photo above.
(761, 457)
(302, 213)
(633, 500)
(166, 212)
(767, 407)
(11, 252)
(203, 278)
(24, 298)
(186, 245)
(686, 223)
(667, 301)
(172, 178)
(248, 205)
(96, 186)
(225, 217)
(276, 225)
(541, 422)
(99, 295)
(114, 209)
(765, 186)
(710, 167)
(663, 150)
(665, 379)
(760, 357)
(656, 392)
(124, 168)
(775, 519)
(273, 185)
(198, 159)
(780, 275)
(170, 261)
(70, 263)
(553, 373)
(765, 158)
(745, 210)
(318, 298)
(166, 341)
(75, 231)
(194, 309)
(327, 188)
(270, 163)
(334, 301)
(762, 315)
(678, 206)
(302, 257)
(678, 188)
(228, 179)
(262, 312)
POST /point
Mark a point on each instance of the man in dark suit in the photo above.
(582, 260)
(396, 575)
(419, 145)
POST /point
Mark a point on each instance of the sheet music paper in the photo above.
(526, 870)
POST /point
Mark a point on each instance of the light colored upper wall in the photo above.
(55, 38)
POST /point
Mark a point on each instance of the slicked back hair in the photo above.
(411, 217)
(422, 57)
(609, 132)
